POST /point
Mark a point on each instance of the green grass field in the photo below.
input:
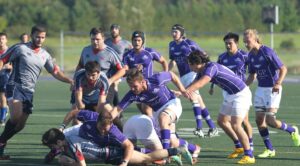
(52, 103)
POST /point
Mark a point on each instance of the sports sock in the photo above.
(287, 128)
(264, 133)
(165, 137)
(191, 147)
(197, 114)
(206, 116)
(3, 113)
(251, 142)
(237, 144)
(8, 132)
(248, 152)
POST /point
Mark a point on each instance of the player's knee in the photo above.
(271, 120)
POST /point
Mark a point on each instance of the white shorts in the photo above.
(141, 128)
(72, 131)
(188, 78)
(264, 98)
(174, 105)
(236, 104)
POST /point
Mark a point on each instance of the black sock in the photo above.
(172, 151)
(8, 132)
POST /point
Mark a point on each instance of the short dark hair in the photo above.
(23, 34)
(105, 118)
(3, 34)
(198, 57)
(38, 28)
(95, 31)
(51, 137)
(231, 35)
(114, 26)
(134, 74)
(92, 66)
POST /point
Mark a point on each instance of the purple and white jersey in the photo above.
(87, 115)
(266, 65)
(156, 95)
(107, 58)
(180, 52)
(120, 46)
(89, 131)
(237, 62)
(223, 77)
(145, 58)
(91, 92)
(27, 65)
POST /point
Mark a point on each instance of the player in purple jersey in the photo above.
(267, 68)
(4, 75)
(166, 107)
(121, 46)
(237, 98)
(142, 58)
(179, 50)
(74, 149)
(236, 60)
(28, 60)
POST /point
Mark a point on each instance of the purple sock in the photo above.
(264, 133)
(165, 138)
(248, 153)
(251, 141)
(237, 144)
(206, 116)
(287, 128)
(191, 147)
(197, 114)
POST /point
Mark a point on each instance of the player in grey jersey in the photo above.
(121, 46)
(28, 60)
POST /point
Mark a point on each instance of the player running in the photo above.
(265, 65)
(179, 50)
(4, 75)
(237, 97)
(28, 60)
(236, 60)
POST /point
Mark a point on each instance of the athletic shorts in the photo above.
(264, 98)
(3, 81)
(174, 105)
(236, 104)
(141, 128)
(14, 92)
(188, 78)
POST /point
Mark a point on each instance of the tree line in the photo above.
(201, 16)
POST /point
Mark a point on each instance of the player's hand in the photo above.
(177, 93)
(276, 88)
(211, 91)
(188, 94)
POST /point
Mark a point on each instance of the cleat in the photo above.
(212, 133)
(177, 160)
(236, 153)
(186, 154)
(267, 154)
(199, 133)
(295, 136)
(51, 155)
(160, 162)
(195, 154)
(2, 155)
(247, 160)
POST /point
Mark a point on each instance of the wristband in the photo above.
(63, 126)
(124, 161)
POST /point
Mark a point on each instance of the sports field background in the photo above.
(52, 103)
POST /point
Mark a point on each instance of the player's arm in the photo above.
(120, 73)
(78, 98)
(176, 81)
(128, 151)
(278, 83)
(250, 79)
(68, 118)
(59, 75)
(163, 63)
(196, 85)
(1, 64)
(101, 103)
(172, 63)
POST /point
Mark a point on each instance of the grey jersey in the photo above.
(107, 58)
(120, 46)
(27, 65)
